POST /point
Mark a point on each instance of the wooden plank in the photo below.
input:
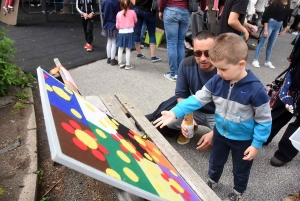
(184, 169)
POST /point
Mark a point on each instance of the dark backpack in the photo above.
(166, 105)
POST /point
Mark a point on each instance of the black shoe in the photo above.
(113, 62)
(276, 162)
(108, 60)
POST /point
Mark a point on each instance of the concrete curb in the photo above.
(28, 192)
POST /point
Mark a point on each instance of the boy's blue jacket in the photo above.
(242, 109)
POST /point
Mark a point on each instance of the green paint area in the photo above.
(1, 191)
(118, 165)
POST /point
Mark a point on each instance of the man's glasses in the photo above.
(198, 53)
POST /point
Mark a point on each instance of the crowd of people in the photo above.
(213, 83)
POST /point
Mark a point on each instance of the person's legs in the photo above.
(218, 156)
(171, 29)
(241, 168)
(273, 29)
(84, 25)
(137, 30)
(120, 55)
(113, 48)
(260, 45)
(143, 30)
(150, 21)
(127, 57)
(286, 151)
(90, 26)
(280, 117)
(108, 47)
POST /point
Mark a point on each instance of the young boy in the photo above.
(243, 116)
(86, 9)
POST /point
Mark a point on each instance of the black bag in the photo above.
(166, 105)
(154, 6)
(193, 5)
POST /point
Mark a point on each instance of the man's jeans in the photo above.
(150, 20)
(176, 23)
(273, 31)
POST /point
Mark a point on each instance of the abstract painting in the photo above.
(84, 138)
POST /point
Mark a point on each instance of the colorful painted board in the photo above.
(84, 138)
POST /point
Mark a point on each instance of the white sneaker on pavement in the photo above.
(269, 64)
(255, 63)
(295, 33)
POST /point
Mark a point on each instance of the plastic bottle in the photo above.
(189, 124)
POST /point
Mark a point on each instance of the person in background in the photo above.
(281, 114)
(251, 9)
(126, 19)
(293, 27)
(110, 8)
(259, 10)
(243, 116)
(86, 9)
(275, 16)
(143, 12)
(293, 4)
(193, 73)
(176, 17)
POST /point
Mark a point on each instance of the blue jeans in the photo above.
(150, 20)
(219, 155)
(273, 31)
(176, 23)
(143, 30)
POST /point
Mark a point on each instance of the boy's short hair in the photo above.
(205, 34)
(229, 46)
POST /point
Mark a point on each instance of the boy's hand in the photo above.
(205, 141)
(183, 128)
(166, 118)
(90, 15)
(85, 15)
(250, 153)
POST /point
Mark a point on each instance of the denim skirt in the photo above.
(125, 40)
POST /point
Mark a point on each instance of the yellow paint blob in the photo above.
(113, 173)
(176, 185)
(159, 188)
(100, 133)
(127, 146)
(152, 171)
(61, 93)
(130, 174)
(174, 173)
(49, 88)
(139, 140)
(76, 114)
(102, 123)
(68, 90)
(81, 97)
(123, 156)
(115, 122)
(157, 151)
(89, 107)
(155, 158)
(148, 157)
(86, 139)
(109, 122)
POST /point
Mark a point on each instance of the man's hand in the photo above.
(282, 32)
(266, 33)
(250, 28)
(166, 118)
(85, 15)
(246, 35)
(250, 153)
(160, 15)
(205, 141)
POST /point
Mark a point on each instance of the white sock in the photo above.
(120, 54)
(128, 56)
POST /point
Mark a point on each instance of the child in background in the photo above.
(110, 8)
(243, 116)
(86, 9)
(126, 19)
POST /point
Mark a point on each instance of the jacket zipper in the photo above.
(85, 1)
(224, 121)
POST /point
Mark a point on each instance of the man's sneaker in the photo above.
(113, 62)
(295, 33)
(155, 59)
(140, 56)
(121, 65)
(255, 63)
(128, 67)
(276, 162)
(85, 46)
(292, 197)
(89, 48)
(170, 77)
(182, 139)
(234, 196)
(269, 64)
(212, 184)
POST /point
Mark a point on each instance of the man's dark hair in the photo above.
(205, 34)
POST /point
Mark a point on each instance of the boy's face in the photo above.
(230, 72)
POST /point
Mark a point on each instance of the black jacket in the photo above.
(86, 6)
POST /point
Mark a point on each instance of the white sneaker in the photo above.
(295, 33)
(255, 63)
(269, 64)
